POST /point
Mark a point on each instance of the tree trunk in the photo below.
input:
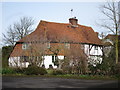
(116, 48)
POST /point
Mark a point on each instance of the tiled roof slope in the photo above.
(62, 32)
(112, 37)
(58, 32)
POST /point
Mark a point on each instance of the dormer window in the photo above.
(67, 45)
(24, 46)
(48, 44)
(82, 46)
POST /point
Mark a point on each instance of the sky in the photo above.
(87, 13)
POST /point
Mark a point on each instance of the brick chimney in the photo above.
(73, 21)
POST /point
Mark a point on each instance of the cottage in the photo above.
(53, 41)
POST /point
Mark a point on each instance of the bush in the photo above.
(50, 71)
(67, 69)
(20, 70)
(35, 70)
(8, 71)
(116, 70)
(58, 72)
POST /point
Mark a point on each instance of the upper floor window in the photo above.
(48, 44)
(96, 47)
(24, 46)
(67, 45)
(82, 46)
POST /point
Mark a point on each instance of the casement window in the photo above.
(24, 58)
(48, 45)
(67, 45)
(24, 46)
(82, 46)
(96, 47)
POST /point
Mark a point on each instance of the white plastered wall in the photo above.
(92, 51)
(15, 62)
(48, 61)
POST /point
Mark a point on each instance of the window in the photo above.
(96, 48)
(67, 45)
(24, 58)
(48, 45)
(24, 46)
(82, 46)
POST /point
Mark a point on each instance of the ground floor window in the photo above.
(24, 58)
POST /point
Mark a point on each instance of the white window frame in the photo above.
(96, 47)
(48, 45)
(82, 46)
(67, 45)
(24, 46)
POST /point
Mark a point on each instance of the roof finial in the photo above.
(71, 12)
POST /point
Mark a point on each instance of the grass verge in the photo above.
(67, 76)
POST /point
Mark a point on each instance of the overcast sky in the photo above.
(87, 13)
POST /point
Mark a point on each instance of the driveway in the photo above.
(44, 82)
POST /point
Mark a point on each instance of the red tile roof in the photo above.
(112, 37)
(60, 32)
(63, 32)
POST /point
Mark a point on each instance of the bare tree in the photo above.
(110, 10)
(75, 59)
(10, 38)
(35, 50)
(18, 30)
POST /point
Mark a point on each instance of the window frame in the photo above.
(24, 46)
(67, 45)
(96, 47)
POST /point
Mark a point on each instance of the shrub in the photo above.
(67, 69)
(35, 70)
(116, 70)
(50, 71)
(58, 72)
(8, 71)
(20, 70)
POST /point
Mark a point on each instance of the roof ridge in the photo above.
(63, 23)
(52, 22)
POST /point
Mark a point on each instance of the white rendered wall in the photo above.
(60, 57)
(93, 55)
(15, 62)
(92, 51)
(96, 52)
(48, 61)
